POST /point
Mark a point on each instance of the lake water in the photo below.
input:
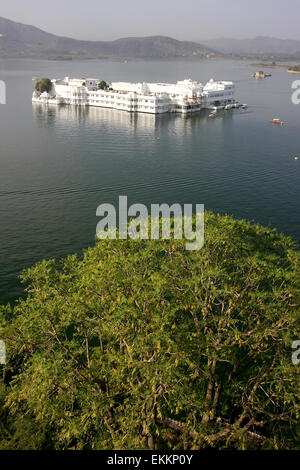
(57, 164)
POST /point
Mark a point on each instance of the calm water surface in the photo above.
(57, 164)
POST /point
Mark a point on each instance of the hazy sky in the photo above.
(182, 19)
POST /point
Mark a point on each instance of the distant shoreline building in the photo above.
(261, 74)
(186, 96)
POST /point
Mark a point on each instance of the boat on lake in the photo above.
(276, 121)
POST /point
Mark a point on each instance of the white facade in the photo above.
(219, 91)
(184, 96)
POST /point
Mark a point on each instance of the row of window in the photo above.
(97, 98)
(218, 95)
(127, 106)
(118, 97)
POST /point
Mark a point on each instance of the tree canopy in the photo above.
(44, 84)
(141, 344)
(102, 85)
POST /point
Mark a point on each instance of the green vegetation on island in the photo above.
(294, 68)
(261, 74)
(266, 64)
(44, 84)
(142, 344)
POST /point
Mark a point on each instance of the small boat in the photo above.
(244, 106)
(211, 115)
(276, 121)
(296, 158)
(215, 108)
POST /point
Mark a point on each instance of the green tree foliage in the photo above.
(142, 344)
(102, 85)
(44, 84)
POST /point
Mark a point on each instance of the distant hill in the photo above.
(19, 40)
(260, 45)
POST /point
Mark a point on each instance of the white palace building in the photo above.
(185, 96)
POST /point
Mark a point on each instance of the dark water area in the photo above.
(57, 164)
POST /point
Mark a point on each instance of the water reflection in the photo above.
(117, 120)
(45, 114)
